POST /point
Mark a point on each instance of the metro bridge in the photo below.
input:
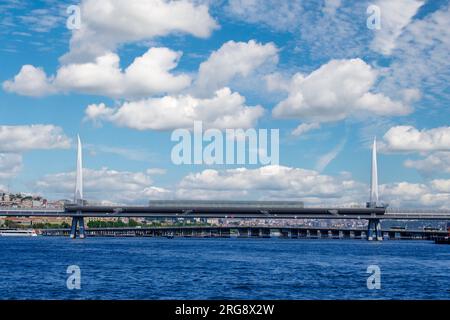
(284, 232)
(173, 209)
(373, 212)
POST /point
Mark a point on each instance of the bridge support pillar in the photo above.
(77, 222)
(374, 230)
(73, 228)
(81, 227)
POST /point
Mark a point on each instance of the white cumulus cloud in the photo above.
(31, 137)
(109, 23)
(310, 186)
(225, 110)
(411, 195)
(335, 91)
(410, 139)
(103, 184)
(438, 162)
(147, 75)
(441, 185)
(271, 182)
(231, 60)
(30, 81)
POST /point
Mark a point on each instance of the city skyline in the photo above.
(230, 65)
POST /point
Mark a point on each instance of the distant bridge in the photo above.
(374, 212)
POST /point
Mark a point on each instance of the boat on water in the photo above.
(17, 233)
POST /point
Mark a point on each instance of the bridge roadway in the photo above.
(236, 209)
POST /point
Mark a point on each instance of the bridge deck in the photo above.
(271, 210)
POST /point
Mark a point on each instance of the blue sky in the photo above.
(131, 73)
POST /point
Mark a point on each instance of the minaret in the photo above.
(79, 183)
(374, 176)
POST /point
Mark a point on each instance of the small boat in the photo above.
(17, 233)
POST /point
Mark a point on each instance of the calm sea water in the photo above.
(142, 268)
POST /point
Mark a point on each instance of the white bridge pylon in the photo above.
(78, 197)
(374, 226)
(374, 175)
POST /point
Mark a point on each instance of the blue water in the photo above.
(143, 268)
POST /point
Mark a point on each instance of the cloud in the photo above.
(420, 59)
(270, 182)
(319, 29)
(277, 82)
(411, 195)
(324, 29)
(14, 140)
(310, 186)
(326, 159)
(304, 128)
(435, 163)
(284, 18)
(331, 6)
(441, 185)
(109, 23)
(156, 171)
(31, 137)
(231, 60)
(99, 112)
(30, 81)
(10, 165)
(335, 91)
(43, 20)
(103, 184)
(147, 75)
(224, 110)
(134, 154)
(395, 16)
(410, 139)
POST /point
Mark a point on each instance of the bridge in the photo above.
(373, 212)
(172, 209)
(286, 232)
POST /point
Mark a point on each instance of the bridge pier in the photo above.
(77, 221)
(374, 230)
(73, 228)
